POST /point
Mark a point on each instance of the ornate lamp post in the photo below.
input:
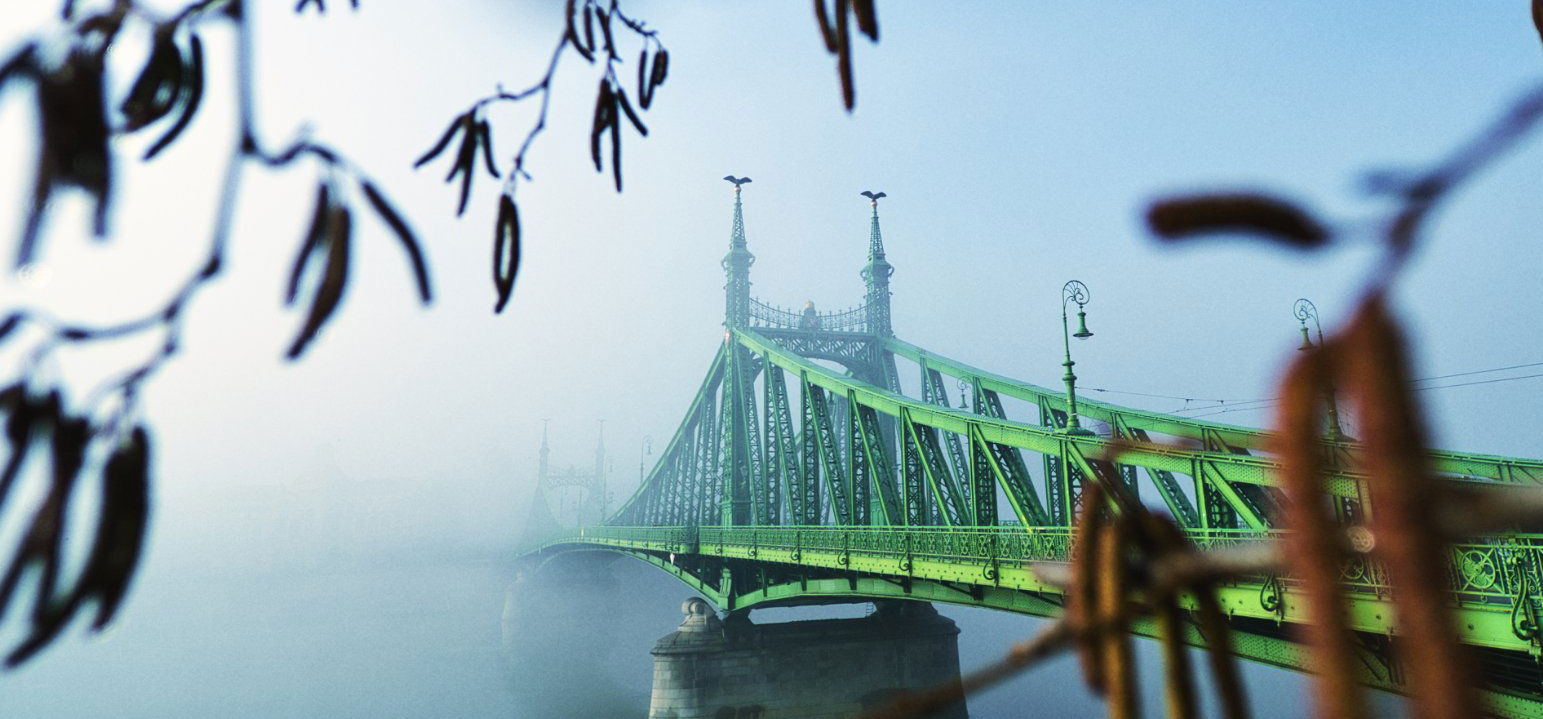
(1305, 310)
(1073, 291)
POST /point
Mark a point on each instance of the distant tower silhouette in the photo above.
(545, 452)
(540, 525)
(588, 510)
(598, 500)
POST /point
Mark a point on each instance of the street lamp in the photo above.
(1073, 291)
(1305, 310)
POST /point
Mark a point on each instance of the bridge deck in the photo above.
(991, 568)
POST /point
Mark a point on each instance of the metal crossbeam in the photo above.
(861, 491)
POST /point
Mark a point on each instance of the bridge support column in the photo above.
(822, 669)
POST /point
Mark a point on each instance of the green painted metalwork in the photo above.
(865, 492)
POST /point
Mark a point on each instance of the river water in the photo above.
(445, 632)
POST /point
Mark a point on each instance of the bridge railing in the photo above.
(1500, 571)
(680, 540)
(852, 319)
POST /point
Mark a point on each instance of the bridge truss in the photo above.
(803, 473)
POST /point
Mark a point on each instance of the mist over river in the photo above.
(443, 631)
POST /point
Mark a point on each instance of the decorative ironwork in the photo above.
(853, 489)
(853, 319)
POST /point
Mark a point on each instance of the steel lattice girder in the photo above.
(717, 468)
(1462, 464)
(1229, 467)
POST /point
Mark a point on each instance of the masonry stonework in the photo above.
(822, 669)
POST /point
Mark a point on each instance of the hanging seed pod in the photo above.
(404, 234)
(660, 70)
(1399, 478)
(1082, 605)
(465, 164)
(114, 553)
(314, 236)
(1197, 215)
(1119, 675)
(485, 136)
(506, 250)
(605, 29)
(616, 140)
(1314, 554)
(39, 546)
(193, 93)
(867, 18)
(475, 135)
(121, 528)
(74, 147)
(1218, 638)
(1537, 17)
(334, 278)
(621, 99)
(589, 31)
(570, 17)
(827, 33)
(604, 107)
(155, 92)
(22, 419)
(456, 125)
(44, 541)
(844, 55)
(645, 94)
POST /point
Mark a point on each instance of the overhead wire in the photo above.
(1226, 405)
(1272, 403)
(1480, 371)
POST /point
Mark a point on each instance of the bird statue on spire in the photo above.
(737, 181)
(873, 197)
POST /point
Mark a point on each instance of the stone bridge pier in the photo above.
(732, 668)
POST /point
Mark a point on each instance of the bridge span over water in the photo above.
(791, 481)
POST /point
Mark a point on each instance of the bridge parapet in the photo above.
(1483, 574)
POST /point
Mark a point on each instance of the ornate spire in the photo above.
(876, 273)
(736, 265)
(544, 451)
(600, 451)
(599, 498)
(875, 240)
(540, 525)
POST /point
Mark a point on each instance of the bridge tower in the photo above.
(736, 268)
(738, 420)
(876, 278)
(540, 525)
(599, 496)
(593, 506)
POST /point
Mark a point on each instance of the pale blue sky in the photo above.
(1018, 143)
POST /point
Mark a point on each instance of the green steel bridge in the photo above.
(792, 482)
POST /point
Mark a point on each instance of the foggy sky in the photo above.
(1018, 146)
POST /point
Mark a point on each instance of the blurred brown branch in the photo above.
(1129, 563)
